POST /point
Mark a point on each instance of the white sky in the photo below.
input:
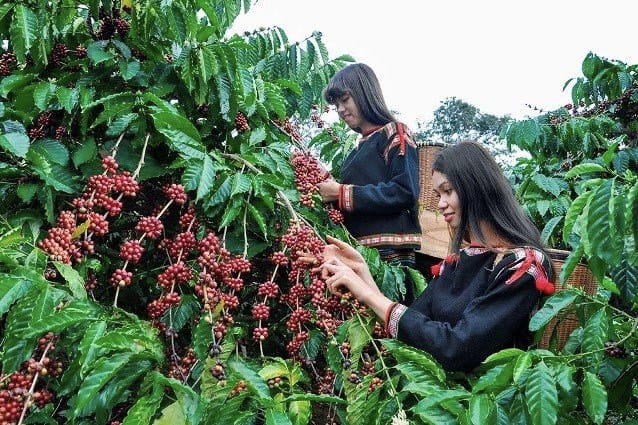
(497, 55)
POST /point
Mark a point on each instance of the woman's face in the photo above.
(349, 112)
(449, 204)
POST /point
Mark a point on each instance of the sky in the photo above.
(497, 55)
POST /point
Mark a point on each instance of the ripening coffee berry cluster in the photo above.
(241, 122)
(308, 172)
(7, 62)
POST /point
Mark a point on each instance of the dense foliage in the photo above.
(157, 183)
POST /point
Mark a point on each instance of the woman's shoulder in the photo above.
(528, 260)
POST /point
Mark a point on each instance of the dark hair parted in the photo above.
(360, 81)
(485, 195)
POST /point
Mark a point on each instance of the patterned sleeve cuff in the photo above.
(395, 316)
(346, 202)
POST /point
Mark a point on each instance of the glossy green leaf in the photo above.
(172, 414)
(541, 396)
(206, 178)
(482, 409)
(42, 94)
(24, 30)
(599, 222)
(551, 308)
(73, 278)
(405, 353)
(145, 407)
(180, 134)
(13, 288)
(594, 398)
(595, 334)
(15, 143)
(255, 383)
(586, 168)
(574, 212)
(97, 52)
(274, 417)
(86, 152)
(67, 97)
(103, 370)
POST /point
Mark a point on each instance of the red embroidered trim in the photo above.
(386, 318)
(533, 265)
(372, 130)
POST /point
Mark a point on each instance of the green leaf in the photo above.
(206, 178)
(599, 221)
(274, 417)
(67, 97)
(550, 184)
(103, 370)
(24, 31)
(27, 191)
(405, 353)
(54, 151)
(73, 278)
(172, 414)
(542, 396)
(495, 379)
(13, 82)
(482, 409)
(42, 94)
(575, 210)
(595, 333)
(254, 382)
(240, 184)
(180, 133)
(75, 312)
(129, 69)
(551, 308)
(15, 143)
(548, 230)
(86, 152)
(259, 219)
(585, 168)
(96, 52)
(87, 348)
(594, 398)
(145, 407)
(13, 288)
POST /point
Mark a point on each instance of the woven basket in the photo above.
(427, 152)
(582, 278)
(435, 239)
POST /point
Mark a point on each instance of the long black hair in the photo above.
(360, 81)
(485, 195)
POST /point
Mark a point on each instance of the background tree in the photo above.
(455, 120)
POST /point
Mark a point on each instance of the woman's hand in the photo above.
(341, 278)
(337, 249)
(329, 190)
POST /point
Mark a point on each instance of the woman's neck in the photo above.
(491, 238)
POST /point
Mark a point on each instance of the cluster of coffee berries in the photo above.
(7, 62)
(315, 116)
(290, 129)
(238, 388)
(101, 199)
(308, 173)
(110, 25)
(241, 122)
(41, 126)
(59, 53)
(375, 383)
(612, 349)
(181, 366)
(18, 389)
(335, 215)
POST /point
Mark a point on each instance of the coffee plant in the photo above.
(157, 177)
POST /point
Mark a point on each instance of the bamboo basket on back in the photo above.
(435, 239)
(582, 278)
